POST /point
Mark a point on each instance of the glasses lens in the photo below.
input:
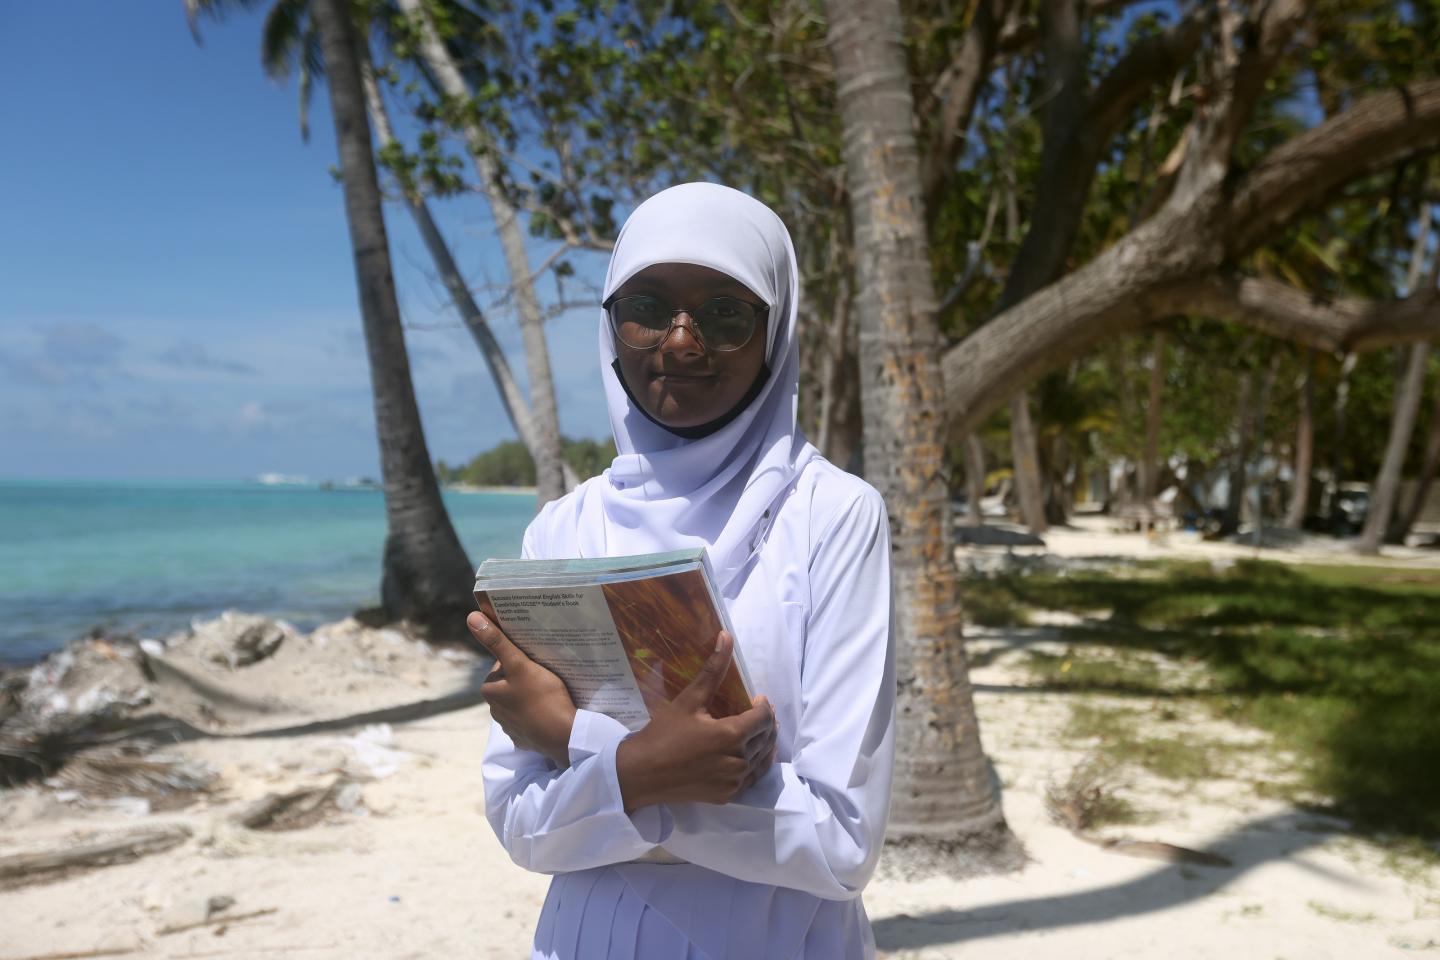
(725, 323)
(640, 322)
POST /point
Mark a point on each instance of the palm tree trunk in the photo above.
(1428, 469)
(1239, 463)
(549, 470)
(426, 577)
(1261, 409)
(974, 479)
(1026, 453)
(1304, 448)
(944, 789)
(1150, 465)
(512, 398)
(1402, 424)
(1407, 402)
(1341, 416)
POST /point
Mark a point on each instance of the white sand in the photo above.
(416, 873)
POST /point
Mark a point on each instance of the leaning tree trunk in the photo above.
(974, 479)
(944, 789)
(1150, 464)
(512, 398)
(1402, 424)
(549, 469)
(426, 576)
(1025, 449)
(1235, 496)
(1428, 468)
(1304, 448)
(1341, 416)
(1407, 403)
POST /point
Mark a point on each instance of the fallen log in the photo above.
(23, 868)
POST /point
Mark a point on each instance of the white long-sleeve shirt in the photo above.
(778, 871)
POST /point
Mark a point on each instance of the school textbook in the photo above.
(624, 633)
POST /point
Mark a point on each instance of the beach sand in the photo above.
(409, 867)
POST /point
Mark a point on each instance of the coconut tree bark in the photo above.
(549, 463)
(1304, 448)
(426, 577)
(944, 789)
(512, 398)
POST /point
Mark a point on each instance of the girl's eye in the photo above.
(721, 309)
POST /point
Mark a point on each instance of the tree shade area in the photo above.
(1341, 664)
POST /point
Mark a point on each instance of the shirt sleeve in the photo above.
(551, 820)
(817, 822)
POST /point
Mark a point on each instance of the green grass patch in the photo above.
(1119, 672)
(1123, 737)
(1340, 664)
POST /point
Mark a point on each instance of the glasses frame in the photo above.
(761, 310)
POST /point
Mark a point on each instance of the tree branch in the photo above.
(1019, 36)
(1238, 84)
(1377, 132)
(1146, 63)
(956, 92)
(1280, 310)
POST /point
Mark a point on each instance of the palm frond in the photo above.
(311, 66)
(282, 37)
(213, 9)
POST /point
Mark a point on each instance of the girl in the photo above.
(753, 836)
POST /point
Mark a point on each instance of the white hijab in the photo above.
(663, 492)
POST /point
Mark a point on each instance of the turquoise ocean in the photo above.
(146, 557)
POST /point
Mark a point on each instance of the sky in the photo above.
(177, 295)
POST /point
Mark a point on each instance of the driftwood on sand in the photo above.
(295, 809)
(21, 868)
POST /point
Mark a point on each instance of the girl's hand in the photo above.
(685, 755)
(529, 702)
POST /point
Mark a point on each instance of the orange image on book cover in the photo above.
(668, 628)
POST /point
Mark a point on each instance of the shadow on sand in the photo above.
(1252, 845)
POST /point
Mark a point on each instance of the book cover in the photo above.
(624, 633)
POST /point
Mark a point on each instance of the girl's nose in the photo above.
(682, 338)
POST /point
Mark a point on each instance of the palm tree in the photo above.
(512, 398)
(426, 577)
(440, 66)
(944, 789)
(290, 44)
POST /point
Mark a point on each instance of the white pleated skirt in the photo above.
(598, 915)
(595, 914)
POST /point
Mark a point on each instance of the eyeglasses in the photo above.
(720, 323)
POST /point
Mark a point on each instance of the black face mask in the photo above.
(704, 429)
